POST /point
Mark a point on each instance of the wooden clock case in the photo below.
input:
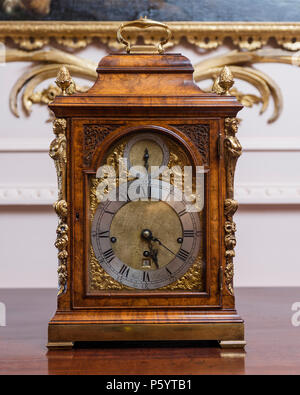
(145, 92)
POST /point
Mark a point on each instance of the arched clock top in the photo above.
(98, 138)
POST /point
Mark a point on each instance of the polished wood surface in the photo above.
(273, 344)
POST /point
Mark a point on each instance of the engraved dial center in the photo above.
(134, 226)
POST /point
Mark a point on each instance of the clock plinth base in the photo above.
(229, 331)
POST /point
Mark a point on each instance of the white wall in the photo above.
(267, 186)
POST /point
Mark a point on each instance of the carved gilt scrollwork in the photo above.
(31, 35)
(232, 151)
(46, 63)
(58, 154)
(61, 244)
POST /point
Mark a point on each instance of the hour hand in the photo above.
(153, 254)
(146, 158)
(147, 235)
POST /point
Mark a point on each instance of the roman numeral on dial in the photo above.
(103, 234)
(149, 190)
(109, 212)
(146, 276)
(183, 254)
(182, 212)
(188, 233)
(109, 255)
(124, 270)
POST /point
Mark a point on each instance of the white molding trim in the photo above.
(249, 144)
(27, 194)
(267, 193)
(245, 194)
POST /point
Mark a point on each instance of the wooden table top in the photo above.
(273, 343)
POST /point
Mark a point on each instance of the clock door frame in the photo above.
(86, 157)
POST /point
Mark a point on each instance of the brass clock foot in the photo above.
(60, 345)
(232, 344)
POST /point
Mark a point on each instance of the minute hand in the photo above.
(160, 243)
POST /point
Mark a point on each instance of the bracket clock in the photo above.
(145, 163)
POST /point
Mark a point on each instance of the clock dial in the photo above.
(146, 149)
(146, 244)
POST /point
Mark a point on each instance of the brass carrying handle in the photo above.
(144, 23)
